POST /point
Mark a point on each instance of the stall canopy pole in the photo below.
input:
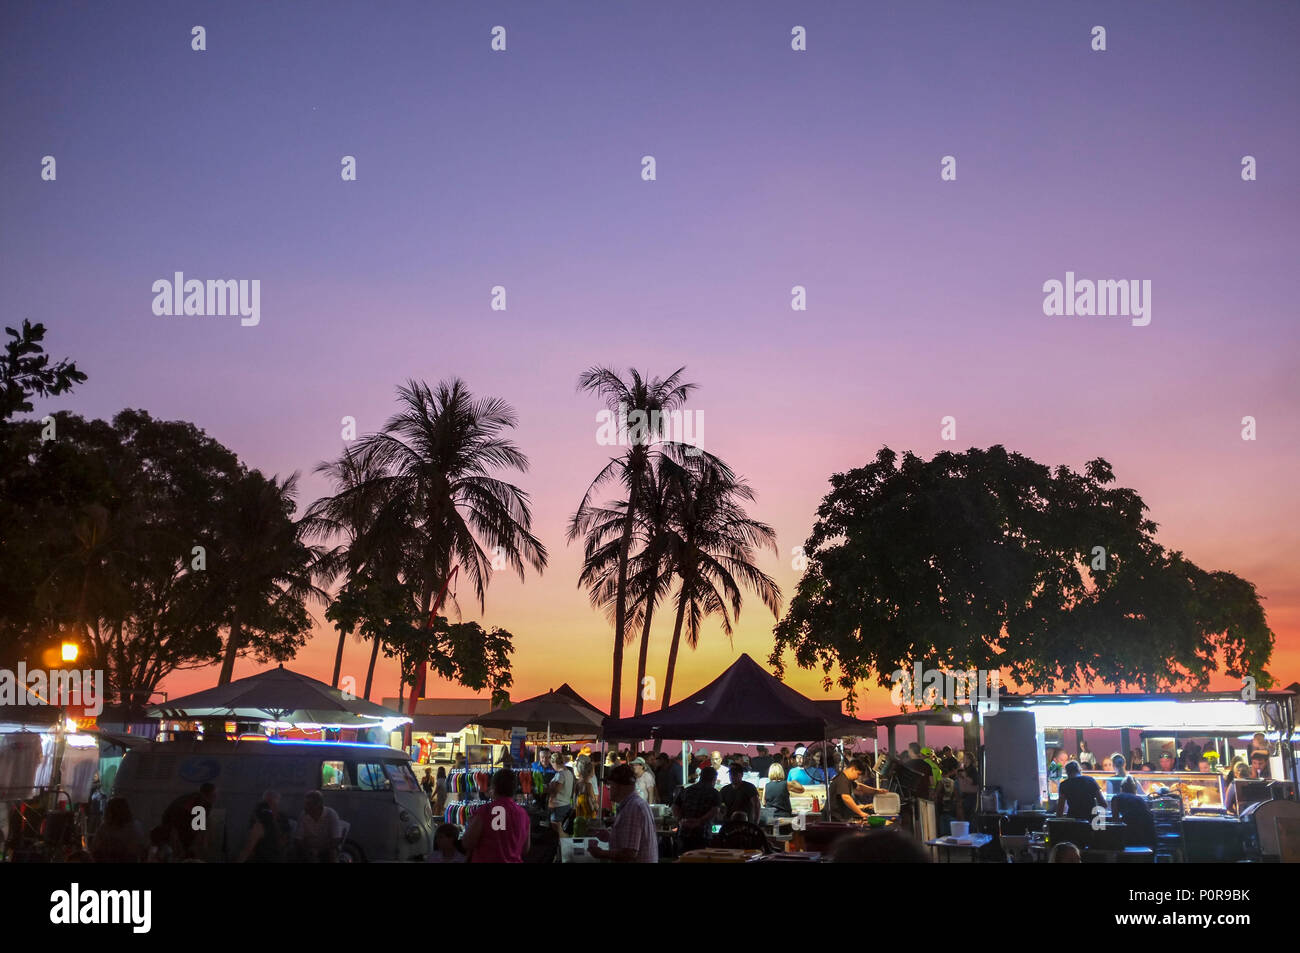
(826, 775)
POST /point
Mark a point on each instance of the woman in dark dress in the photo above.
(776, 793)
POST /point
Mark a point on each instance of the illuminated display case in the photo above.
(1198, 790)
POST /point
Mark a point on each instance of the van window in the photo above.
(401, 777)
(371, 777)
(333, 776)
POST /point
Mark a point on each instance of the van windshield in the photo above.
(368, 776)
(371, 777)
(401, 777)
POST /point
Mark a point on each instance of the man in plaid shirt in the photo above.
(633, 838)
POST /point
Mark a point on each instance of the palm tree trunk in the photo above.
(620, 607)
(672, 659)
(119, 662)
(641, 656)
(232, 649)
(370, 672)
(338, 660)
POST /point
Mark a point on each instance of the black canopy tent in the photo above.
(567, 690)
(744, 704)
(552, 712)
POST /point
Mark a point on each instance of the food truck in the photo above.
(1257, 819)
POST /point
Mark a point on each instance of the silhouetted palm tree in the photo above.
(649, 575)
(428, 498)
(639, 404)
(712, 551)
(369, 549)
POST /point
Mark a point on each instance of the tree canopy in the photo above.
(102, 524)
(987, 559)
(26, 371)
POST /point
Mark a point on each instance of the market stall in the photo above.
(1194, 820)
(280, 700)
(744, 705)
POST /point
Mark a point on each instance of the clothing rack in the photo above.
(476, 782)
(460, 812)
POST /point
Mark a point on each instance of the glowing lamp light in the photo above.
(69, 651)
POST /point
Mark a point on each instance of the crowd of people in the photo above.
(1250, 764)
(183, 833)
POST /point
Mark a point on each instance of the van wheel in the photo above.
(351, 853)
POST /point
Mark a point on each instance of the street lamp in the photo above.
(69, 654)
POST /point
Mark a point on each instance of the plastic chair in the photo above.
(1016, 848)
(741, 835)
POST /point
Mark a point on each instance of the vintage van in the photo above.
(372, 787)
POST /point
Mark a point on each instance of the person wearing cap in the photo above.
(645, 779)
(632, 838)
(799, 774)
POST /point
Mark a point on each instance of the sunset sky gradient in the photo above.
(775, 168)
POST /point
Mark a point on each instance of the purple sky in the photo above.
(775, 168)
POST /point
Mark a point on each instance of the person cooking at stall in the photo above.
(844, 807)
(1135, 814)
(1080, 792)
